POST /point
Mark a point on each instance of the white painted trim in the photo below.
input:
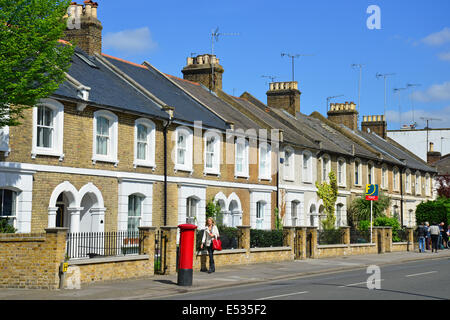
(189, 149)
(32, 168)
(113, 138)
(151, 141)
(265, 175)
(217, 154)
(58, 130)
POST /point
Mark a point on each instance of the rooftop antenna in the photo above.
(355, 65)
(385, 75)
(397, 90)
(215, 37)
(333, 97)
(272, 78)
(428, 128)
(294, 56)
(412, 85)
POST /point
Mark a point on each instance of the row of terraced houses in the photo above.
(121, 145)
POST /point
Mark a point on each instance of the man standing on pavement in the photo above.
(421, 235)
(427, 235)
(434, 232)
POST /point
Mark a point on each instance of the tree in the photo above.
(328, 192)
(443, 189)
(32, 60)
(434, 211)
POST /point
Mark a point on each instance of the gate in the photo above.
(160, 252)
(297, 252)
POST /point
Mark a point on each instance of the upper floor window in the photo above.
(384, 181)
(418, 184)
(8, 205)
(144, 147)
(241, 161)
(264, 161)
(105, 137)
(396, 181)
(357, 172)
(183, 149)
(341, 172)
(307, 166)
(370, 173)
(212, 152)
(48, 123)
(289, 164)
(427, 184)
(408, 181)
(326, 167)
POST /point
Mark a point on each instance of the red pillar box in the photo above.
(186, 257)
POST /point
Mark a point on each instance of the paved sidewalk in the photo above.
(165, 286)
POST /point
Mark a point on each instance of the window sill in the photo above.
(241, 175)
(138, 163)
(183, 169)
(264, 179)
(107, 160)
(49, 152)
(211, 172)
(289, 179)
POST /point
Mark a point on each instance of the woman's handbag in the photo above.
(217, 244)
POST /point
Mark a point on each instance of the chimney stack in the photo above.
(433, 156)
(344, 113)
(199, 69)
(85, 31)
(284, 95)
(376, 124)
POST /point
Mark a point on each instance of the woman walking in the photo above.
(211, 232)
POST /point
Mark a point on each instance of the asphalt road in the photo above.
(418, 280)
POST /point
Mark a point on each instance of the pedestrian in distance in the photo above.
(427, 235)
(421, 232)
(211, 232)
(441, 235)
(434, 232)
(448, 236)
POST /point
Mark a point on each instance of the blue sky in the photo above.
(413, 43)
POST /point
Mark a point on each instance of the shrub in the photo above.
(5, 227)
(364, 225)
(389, 222)
(266, 238)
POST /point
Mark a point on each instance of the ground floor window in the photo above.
(8, 200)
(134, 212)
(191, 210)
(294, 212)
(260, 206)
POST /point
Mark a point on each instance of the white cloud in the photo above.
(438, 38)
(130, 41)
(437, 92)
(445, 56)
(406, 117)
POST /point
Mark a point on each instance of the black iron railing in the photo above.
(359, 236)
(330, 237)
(103, 244)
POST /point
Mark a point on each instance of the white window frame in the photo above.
(259, 222)
(56, 149)
(295, 218)
(371, 172)
(326, 168)
(427, 184)
(395, 179)
(265, 173)
(384, 177)
(141, 213)
(307, 172)
(418, 183)
(216, 154)
(289, 172)
(245, 165)
(343, 181)
(408, 181)
(13, 216)
(187, 166)
(357, 170)
(192, 202)
(150, 150)
(111, 157)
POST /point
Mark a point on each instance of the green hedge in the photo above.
(266, 238)
(433, 211)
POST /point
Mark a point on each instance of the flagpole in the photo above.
(371, 232)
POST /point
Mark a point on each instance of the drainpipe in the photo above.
(169, 110)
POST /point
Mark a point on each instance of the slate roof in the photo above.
(218, 105)
(443, 165)
(186, 108)
(107, 89)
